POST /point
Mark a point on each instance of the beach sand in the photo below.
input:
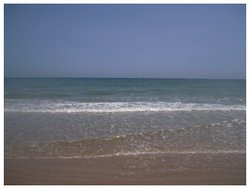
(169, 168)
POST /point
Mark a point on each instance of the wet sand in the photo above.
(171, 168)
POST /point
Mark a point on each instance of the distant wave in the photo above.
(112, 107)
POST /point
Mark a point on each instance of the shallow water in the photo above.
(104, 117)
(91, 134)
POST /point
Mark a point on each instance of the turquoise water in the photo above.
(121, 94)
(46, 118)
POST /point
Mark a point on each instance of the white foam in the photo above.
(133, 154)
(112, 107)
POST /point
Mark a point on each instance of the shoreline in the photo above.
(167, 168)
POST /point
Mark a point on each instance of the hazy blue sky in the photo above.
(166, 41)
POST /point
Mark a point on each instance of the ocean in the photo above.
(76, 117)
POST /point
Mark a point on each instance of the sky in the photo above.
(137, 41)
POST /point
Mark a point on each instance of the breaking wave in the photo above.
(112, 107)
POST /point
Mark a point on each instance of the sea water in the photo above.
(77, 117)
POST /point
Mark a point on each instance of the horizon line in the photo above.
(28, 77)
